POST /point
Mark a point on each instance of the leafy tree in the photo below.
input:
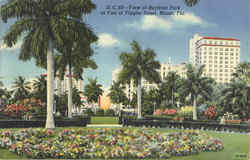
(237, 98)
(170, 86)
(117, 95)
(47, 24)
(20, 89)
(197, 85)
(242, 72)
(137, 65)
(40, 88)
(191, 3)
(76, 97)
(76, 58)
(93, 91)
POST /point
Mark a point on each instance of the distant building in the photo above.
(163, 71)
(219, 55)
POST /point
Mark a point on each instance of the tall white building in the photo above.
(62, 86)
(219, 55)
(163, 71)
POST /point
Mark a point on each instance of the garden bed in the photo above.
(106, 143)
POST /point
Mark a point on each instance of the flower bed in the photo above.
(106, 143)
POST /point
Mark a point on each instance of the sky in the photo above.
(167, 35)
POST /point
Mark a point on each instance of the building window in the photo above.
(221, 49)
(232, 54)
(231, 49)
(226, 49)
(221, 53)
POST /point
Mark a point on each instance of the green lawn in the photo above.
(104, 120)
(234, 144)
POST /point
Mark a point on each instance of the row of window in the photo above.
(220, 70)
(215, 61)
(219, 49)
(220, 42)
(215, 57)
(220, 53)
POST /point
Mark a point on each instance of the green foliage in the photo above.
(191, 3)
(20, 89)
(117, 95)
(93, 90)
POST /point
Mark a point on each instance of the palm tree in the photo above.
(40, 88)
(172, 84)
(242, 72)
(191, 3)
(76, 97)
(93, 91)
(76, 58)
(46, 25)
(197, 85)
(236, 98)
(117, 94)
(20, 88)
(137, 65)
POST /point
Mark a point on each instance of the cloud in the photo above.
(152, 23)
(167, 24)
(4, 47)
(107, 40)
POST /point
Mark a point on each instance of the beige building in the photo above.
(163, 71)
(219, 55)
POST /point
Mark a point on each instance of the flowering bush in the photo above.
(211, 112)
(170, 111)
(158, 112)
(106, 143)
(186, 111)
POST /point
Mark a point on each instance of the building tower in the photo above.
(219, 55)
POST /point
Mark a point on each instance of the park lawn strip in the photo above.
(234, 143)
(104, 120)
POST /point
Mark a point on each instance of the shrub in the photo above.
(109, 112)
(211, 112)
(170, 111)
(186, 112)
(158, 112)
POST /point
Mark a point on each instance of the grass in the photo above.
(104, 120)
(234, 144)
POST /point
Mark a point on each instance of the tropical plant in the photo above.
(117, 94)
(93, 91)
(243, 72)
(20, 89)
(47, 24)
(76, 97)
(237, 98)
(40, 88)
(75, 58)
(170, 86)
(191, 3)
(137, 65)
(196, 86)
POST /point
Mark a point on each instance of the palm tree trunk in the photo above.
(70, 93)
(139, 99)
(172, 96)
(50, 87)
(194, 109)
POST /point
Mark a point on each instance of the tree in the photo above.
(93, 91)
(171, 85)
(242, 72)
(196, 85)
(40, 88)
(20, 88)
(76, 97)
(191, 3)
(78, 58)
(137, 65)
(46, 24)
(116, 94)
(237, 98)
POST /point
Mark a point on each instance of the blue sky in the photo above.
(167, 35)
